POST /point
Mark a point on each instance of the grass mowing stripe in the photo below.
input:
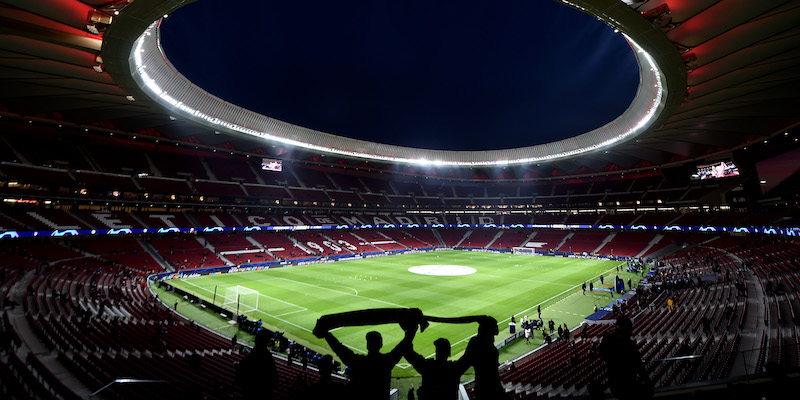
(347, 294)
(526, 280)
(503, 285)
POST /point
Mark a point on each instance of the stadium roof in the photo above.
(733, 67)
(466, 75)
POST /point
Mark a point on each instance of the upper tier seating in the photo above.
(232, 168)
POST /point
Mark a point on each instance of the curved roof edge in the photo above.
(133, 57)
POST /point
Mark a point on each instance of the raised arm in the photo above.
(417, 361)
(405, 345)
(463, 363)
(344, 353)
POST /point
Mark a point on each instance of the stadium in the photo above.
(149, 228)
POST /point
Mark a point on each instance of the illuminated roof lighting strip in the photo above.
(147, 56)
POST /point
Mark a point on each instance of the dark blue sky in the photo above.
(457, 75)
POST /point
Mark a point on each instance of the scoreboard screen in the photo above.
(269, 164)
(722, 169)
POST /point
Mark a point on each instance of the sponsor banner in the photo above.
(768, 230)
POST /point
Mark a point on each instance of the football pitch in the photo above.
(446, 284)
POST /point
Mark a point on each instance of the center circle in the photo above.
(442, 270)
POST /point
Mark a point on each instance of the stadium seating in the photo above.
(104, 324)
(115, 185)
(62, 295)
(661, 334)
(125, 251)
(406, 239)
(427, 236)
(583, 242)
(166, 186)
(276, 246)
(377, 240)
(627, 244)
(230, 169)
(452, 237)
(185, 252)
(511, 238)
(480, 238)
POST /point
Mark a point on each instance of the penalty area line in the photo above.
(265, 313)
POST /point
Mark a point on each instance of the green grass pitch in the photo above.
(291, 299)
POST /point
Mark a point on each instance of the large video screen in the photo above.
(722, 169)
(268, 164)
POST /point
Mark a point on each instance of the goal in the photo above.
(241, 298)
(523, 250)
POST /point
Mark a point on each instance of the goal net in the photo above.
(523, 250)
(242, 298)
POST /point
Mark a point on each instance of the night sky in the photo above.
(455, 75)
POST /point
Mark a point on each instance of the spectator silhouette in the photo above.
(325, 387)
(370, 374)
(779, 385)
(627, 375)
(440, 377)
(256, 374)
(482, 354)
(6, 340)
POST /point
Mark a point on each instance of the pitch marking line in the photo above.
(292, 312)
(348, 287)
(501, 324)
(562, 293)
(278, 300)
(321, 286)
(344, 293)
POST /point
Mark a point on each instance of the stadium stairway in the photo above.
(299, 245)
(564, 240)
(31, 345)
(154, 254)
(62, 358)
(661, 334)
(438, 237)
(657, 238)
(206, 244)
(494, 239)
(466, 236)
(752, 321)
(607, 239)
(528, 238)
